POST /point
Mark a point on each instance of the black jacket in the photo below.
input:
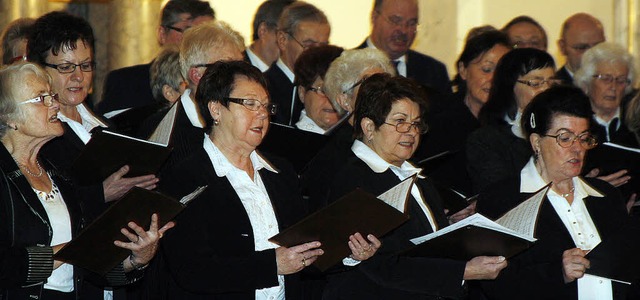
(281, 92)
(126, 87)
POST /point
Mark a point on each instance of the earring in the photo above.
(216, 122)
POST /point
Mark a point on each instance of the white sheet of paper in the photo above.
(523, 217)
(397, 196)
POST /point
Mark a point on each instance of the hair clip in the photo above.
(532, 121)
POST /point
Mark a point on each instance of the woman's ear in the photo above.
(301, 92)
(462, 71)
(169, 93)
(368, 127)
(534, 139)
(343, 101)
(214, 110)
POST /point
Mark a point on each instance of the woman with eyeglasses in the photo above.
(389, 120)
(498, 149)
(606, 76)
(63, 45)
(248, 199)
(577, 214)
(40, 208)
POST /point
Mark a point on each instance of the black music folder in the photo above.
(616, 257)
(295, 145)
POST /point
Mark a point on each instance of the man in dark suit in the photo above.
(394, 24)
(130, 86)
(300, 26)
(579, 33)
(263, 51)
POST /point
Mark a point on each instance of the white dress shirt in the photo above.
(607, 123)
(578, 222)
(256, 61)
(305, 123)
(191, 110)
(256, 202)
(89, 122)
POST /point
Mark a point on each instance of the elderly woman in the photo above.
(310, 68)
(64, 46)
(476, 66)
(41, 210)
(579, 213)
(248, 200)
(499, 149)
(389, 121)
(606, 76)
(341, 86)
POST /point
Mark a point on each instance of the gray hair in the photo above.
(165, 70)
(14, 32)
(297, 12)
(346, 70)
(12, 80)
(607, 53)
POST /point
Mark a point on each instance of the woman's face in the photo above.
(39, 120)
(606, 96)
(479, 73)
(72, 88)
(238, 125)
(392, 146)
(524, 92)
(318, 106)
(557, 163)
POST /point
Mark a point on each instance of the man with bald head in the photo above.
(579, 33)
(394, 25)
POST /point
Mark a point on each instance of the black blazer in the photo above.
(387, 275)
(211, 255)
(426, 70)
(495, 153)
(126, 87)
(281, 92)
(564, 75)
(537, 272)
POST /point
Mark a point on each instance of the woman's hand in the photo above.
(484, 267)
(143, 244)
(115, 185)
(463, 214)
(574, 264)
(293, 259)
(361, 249)
(616, 179)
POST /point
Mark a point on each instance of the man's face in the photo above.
(172, 34)
(394, 26)
(579, 37)
(308, 34)
(526, 35)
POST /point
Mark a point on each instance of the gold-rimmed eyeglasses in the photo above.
(567, 138)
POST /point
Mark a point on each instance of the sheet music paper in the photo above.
(397, 196)
(523, 217)
(162, 133)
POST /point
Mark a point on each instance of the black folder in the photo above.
(107, 152)
(617, 256)
(357, 211)
(93, 248)
(295, 145)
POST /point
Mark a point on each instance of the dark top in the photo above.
(495, 153)
(387, 275)
(564, 75)
(426, 70)
(220, 261)
(126, 87)
(281, 92)
(537, 272)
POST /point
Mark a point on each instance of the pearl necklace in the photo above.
(573, 188)
(40, 170)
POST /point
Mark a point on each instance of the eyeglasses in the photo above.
(581, 47)
(404, 127)
(528, 44)
(359, 82)
(399, 21)
(318, 90)
(66, 68)
(202, 65)
(175, 28)
(608, 79)
(534, 83)
(566, 139)
(46, 99)
(254, 105)
(308, 43)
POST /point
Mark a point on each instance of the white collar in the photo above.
(307, 124)
(606, 123)
(379, 165)
(88, 121)
(285, 70)
(370, 44)
(256, 61)
(190, 109)
(516, 129)
(531, 181)
(221, 164)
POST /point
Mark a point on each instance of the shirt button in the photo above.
(579, 233)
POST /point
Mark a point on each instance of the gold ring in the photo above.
(304, 262)
(361, 253)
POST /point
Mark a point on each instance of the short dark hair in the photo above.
(557, 100)
(200, 8)
(218, 81)
(476, 47)
(171, 12)
(297, 12)
(268, 12)
(378, 93)
(502, 99)
(57, 31)
(526, 19)
(314, 63)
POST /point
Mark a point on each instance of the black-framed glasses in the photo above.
(404, 127)
(357, 83)
(176, 29)
(534, 83)
(608, 79)
(254, 104)
(46, 99)
(582, 47)
(528, 44)
(202, 65)
(567, 138)
(67, 68)
(397, 21)
(318, 90)
(306, 44)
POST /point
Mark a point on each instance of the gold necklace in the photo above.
(40, 170)
(573, 188)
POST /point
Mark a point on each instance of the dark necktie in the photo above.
(395, 65)
(613, 127)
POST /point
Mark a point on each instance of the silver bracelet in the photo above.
(136, 266)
